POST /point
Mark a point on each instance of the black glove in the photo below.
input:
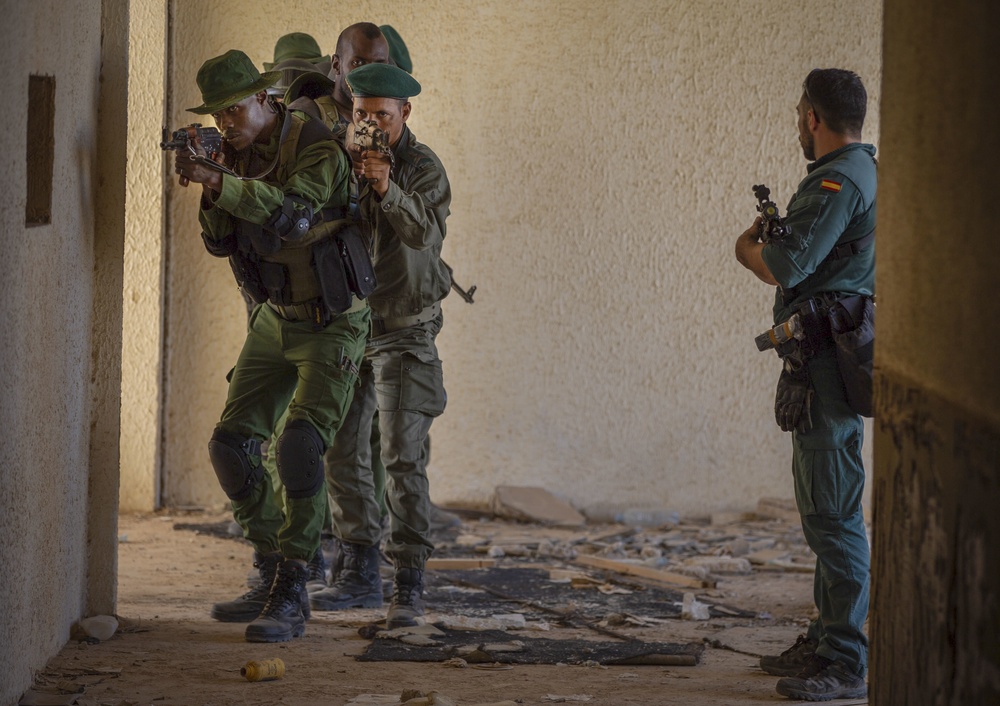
(792, 401)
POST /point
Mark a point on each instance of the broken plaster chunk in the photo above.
(426, 630)
(496, 552)
(99, 627)
(534, 505)
(693, 609)
(561, 699)
(512, 621)
(418, 640)
(465, 622)
(495, 647)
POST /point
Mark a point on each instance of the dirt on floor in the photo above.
(174, 565)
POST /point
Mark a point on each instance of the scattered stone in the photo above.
(99, 627)
(692, 609)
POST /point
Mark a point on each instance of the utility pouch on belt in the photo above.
(852, 325)
(248, 276)
(220, 248)
(274, 277)
(357, 263)
(331, 275)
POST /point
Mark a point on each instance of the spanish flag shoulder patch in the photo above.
(830, 185)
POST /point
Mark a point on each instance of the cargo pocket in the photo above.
(421, 383)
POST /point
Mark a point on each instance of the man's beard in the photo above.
(808, 147)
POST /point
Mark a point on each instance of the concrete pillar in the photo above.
(935, 618)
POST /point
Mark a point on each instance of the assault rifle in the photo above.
(773, 228)
(188, 138)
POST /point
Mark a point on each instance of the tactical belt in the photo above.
(381, 326)
(307, 311)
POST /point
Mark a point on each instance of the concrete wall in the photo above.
(601, 156)
(142, 369)
(936, 579)
(60, 301)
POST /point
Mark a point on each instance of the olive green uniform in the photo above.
(288, 361)
(401, 376)
(834, 204)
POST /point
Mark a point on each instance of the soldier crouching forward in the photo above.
(277, 208)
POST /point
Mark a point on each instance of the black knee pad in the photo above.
(300, 459)
(230, 454)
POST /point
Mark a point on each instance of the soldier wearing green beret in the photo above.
(277, 209)
(403, 203)
(398, 52)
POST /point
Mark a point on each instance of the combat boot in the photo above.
(282, 617)
(248, 606)
(407, 599)
(357, 583)
(823, 679)
(319, 572)
(791, 661)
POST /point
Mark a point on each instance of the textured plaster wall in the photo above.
(47, 378)
(143, 276)
(601, 156)
(936, 579)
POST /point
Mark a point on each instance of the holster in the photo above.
(852, 326)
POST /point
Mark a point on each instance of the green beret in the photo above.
(228, 79)
(297, 45)
(382, 81)
(397, 48)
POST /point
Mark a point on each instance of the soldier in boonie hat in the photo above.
(298, 45)
(228, 79)
(290, 69)
(398, 52)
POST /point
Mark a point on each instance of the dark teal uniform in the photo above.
(288, 361)
(401, 377)
(834, 204)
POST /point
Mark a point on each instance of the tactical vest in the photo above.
(329, 262)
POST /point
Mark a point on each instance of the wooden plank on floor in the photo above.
(646, 572)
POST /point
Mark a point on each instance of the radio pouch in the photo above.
(852, 325)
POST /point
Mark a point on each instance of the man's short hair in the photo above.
(368, 30)
(838, 98)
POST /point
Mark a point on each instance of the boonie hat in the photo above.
(228, 79)
(297, 45)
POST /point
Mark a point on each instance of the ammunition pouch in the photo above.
(852, 326)
(246, 269)
(343, 268)
(220, 248)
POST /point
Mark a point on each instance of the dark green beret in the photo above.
(397, 48)
(382, 81)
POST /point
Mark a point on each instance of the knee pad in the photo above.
(230, 454)
(300, 459)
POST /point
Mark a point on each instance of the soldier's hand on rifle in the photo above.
(187, 168)
(375, 167)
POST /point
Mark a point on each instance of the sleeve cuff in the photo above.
(229, 197)
(391, 198)
(784, 270)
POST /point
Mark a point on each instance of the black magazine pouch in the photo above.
(248, 277)
(275, 278)
(852, 324)
(332, 278)
(357, 262)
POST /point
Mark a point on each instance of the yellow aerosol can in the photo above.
(263, 670)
